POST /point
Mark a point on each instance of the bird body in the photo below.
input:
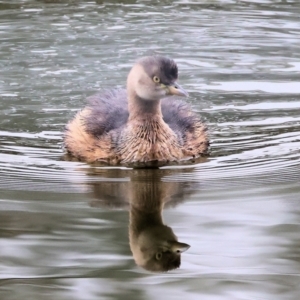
(140, 126)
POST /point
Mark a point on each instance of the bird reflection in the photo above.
(154, 245)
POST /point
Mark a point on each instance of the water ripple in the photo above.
(240, 62)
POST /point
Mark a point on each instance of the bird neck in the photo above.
(143, 109)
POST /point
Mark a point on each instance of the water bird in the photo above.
(140, 126)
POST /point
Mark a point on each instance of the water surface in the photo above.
(64, 230)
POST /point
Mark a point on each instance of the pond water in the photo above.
(65, 226)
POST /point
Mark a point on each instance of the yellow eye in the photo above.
(156, 79)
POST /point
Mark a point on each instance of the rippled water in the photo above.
(64, 225)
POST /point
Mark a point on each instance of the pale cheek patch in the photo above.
(147, 90)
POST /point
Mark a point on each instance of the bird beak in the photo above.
(179, 247)
(176, 89)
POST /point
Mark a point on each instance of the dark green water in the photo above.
(64, 226)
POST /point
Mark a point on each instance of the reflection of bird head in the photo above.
(153, 244)
(157, 249)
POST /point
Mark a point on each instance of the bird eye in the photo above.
(158, 255)
(156, 79)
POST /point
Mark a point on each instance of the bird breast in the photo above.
(149, 140)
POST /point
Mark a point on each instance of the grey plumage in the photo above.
(109, 111)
